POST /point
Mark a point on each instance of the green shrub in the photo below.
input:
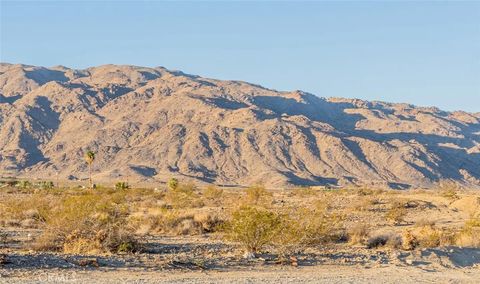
(45, 185)
(122, 185)
(172, 183)
(24, 184)
(11, 183)
(288, 232)
(184, 196)
(253, 228)
(314, 225)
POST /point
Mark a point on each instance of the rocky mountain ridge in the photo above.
(149, 124)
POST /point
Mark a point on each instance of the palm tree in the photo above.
(89, 158)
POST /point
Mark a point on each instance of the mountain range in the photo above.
(150, 124)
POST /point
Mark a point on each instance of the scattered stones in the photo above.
(293, 261)
(88, 262)
(249, 255)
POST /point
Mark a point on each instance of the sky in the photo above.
(424, 53)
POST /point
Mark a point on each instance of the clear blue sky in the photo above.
(426, 53)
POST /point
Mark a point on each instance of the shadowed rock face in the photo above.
(151, 123)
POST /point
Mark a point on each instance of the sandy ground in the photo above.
(315, 274)
(352, 265)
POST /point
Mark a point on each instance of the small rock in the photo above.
(293, 261)
(249, 255)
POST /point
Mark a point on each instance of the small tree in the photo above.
(89, 158)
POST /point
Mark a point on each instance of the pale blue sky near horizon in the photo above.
(424, 53)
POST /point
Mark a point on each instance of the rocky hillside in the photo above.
(148, 124)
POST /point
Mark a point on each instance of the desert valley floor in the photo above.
(182, 237)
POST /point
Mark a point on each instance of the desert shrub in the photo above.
(184, 196)
(365, 191)
(318, 223)
(427, 236)
(182, 225)
(88, 223)
(164, 221)
(424, 222)
(397, 212)
(358, 234)
(213, 194)
(24, 184)
(365, 203)
(172, 183)
(193, 224)
(122, 185)
(449, 190)
(257, 195)
(3, 238)
(448, 237)
(253, 228)
(391, 240)
(469, 235)
(209, 221)
(176, 222)
(377, 241)
(287, 232)
(11, 183)
(304, 227)
(110, 238)
(45, 185)
(409, 241)
(30, 210)
(303, 192)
